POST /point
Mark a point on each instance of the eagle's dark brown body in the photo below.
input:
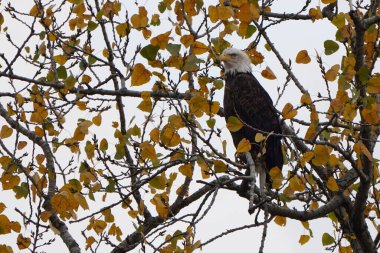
(247, 100)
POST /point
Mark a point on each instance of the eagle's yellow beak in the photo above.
(224, 57)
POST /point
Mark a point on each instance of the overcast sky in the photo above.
(230, 210)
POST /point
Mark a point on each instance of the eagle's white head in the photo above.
(235, 61)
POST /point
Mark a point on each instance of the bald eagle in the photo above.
(247, 100)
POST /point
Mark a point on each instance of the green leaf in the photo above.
(91, 26)
(149, 52)
(327, 239)
(234, 124)
(21, 191)
(173, 48)
(330, 47)
(111, 186)
(250, 31)
(70, 82)
(158, 182)
(191, 63)
(363, 74)
(61, 72)
(162, 7)
(218, 84)
(211, 123)
(91, 60)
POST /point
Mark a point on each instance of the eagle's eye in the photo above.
(233, 55)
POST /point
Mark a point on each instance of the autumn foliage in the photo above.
(112, 127)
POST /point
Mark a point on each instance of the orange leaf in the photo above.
(280, 220)
(332, 73)
(303, 57)
(234, 124)
(332, 185)
(304, 239)
(5, 132)
(140, 75)
(268, 74)
(186, 170)
(199, 48)
(23, 242)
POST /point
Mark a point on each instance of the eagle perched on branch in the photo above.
(247, 100)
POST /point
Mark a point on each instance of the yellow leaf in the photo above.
(333, 160)
(276, 176)
(197, 105)
(23, 242)
(328, 1)
(332, 73)
(321, 155)
(199, 48)
(161, 201)
(5, 132)
(146, 104)
(122, 29)
(97, 120)
(60, 59)
(248, 12)
(243, 146)
(288, 112)
(303, 57)
(304, 239)
(140, 75)
(296, 184)
(161, 40)
(220, 166)
(268, 74)
(81, 200)
(155, 135)
(89, 241)
(2, 207)
(234, 124)
(360, 148)
(106, 53)
(99, 226)
(15, 226)
(332, 185)
(224, 12)
(9, 181)
(315, 13)
(280, 220)
(45, 215)
(139, 21)
(373, 85)
(5, 225)
(186, 170)
(259, 137)
(370, 114)
(86, 79)
(147, 151)
(306, 99)
(187, 40)
(133, 213)
(36, 11)
(169, 136)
